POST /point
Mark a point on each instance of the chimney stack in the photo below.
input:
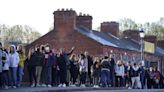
(110, 27)
(84, 20)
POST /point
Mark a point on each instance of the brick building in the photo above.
(71, 29)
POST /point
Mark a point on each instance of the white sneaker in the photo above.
(82, 85)
(43, 85)
(64, 85)
(129, 88)
(14, 87)
(38, 85)
(32, 85)
(6, 87)
(49, 86)
(73, 85)
(60, 85)
(96, 86)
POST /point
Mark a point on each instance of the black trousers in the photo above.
(150, 83)
(55, 77)
(119, 81)
(63, 76)
(32, 74)
(83, 77)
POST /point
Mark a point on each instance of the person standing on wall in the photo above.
(90, 64)
(83, 69)
(105, 72)
(1, 65)
(22, 57)
(63, 61)
(120, 72)
(39, 57)
(14, 61)
(49, 60)
(31, 68)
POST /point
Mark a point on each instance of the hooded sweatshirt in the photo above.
(1, 67)
(14, 58)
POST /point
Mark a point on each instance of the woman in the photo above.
(83, 69)
(120, 72)
(14, 61)
(74, 69)
(6, 75)
(31, 67)
(22, 57)
(156, 78)
(96, 72)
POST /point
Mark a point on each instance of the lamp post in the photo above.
(142, 35)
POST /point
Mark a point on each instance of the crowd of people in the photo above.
(48, 68)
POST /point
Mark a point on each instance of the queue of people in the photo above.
(48, 68)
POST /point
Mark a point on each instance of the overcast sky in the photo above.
(38, 13)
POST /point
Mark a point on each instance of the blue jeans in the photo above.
(48, 75)
(20, 75)
(105, 75)
(13, 76)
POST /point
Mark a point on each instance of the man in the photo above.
(90, 63)
(63, 62)
(135, 76)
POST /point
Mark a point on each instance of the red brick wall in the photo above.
(111, 27)
(84, 20)
(133, 34)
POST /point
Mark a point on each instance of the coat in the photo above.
(14, 58)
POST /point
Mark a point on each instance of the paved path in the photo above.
(77, 89)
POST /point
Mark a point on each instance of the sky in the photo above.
(39, 13)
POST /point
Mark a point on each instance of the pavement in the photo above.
(77, 89)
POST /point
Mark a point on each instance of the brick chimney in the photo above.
(64, 20)
(110, 27)
(151, 38)
(160, 43)
(133, 34)
(84, 20)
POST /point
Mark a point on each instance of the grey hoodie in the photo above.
(14, 58)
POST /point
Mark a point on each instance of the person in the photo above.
(39, 59)
(31, 68)
(125, 79)
(120, 72)
(135, 76)
(83, 69)
(142, 75)
(112, 71)
(1, 66)
(22, 57)
(74, 69)
(6, 75)
(156, 78)
(150, 78)
(96, 72)
(49, 60)
(105, 72)
(63, 61)
(90, 64)
(14, 61)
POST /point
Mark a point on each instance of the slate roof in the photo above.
(111, 40)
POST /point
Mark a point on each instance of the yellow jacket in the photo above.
(22, 57)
